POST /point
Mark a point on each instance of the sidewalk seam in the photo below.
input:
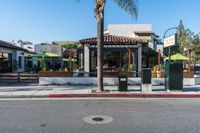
(31, 95)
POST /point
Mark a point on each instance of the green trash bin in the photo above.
(146, 85)
(146, 76)
(123, 82)
(174, 76)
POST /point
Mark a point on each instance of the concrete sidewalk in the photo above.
(86, 91)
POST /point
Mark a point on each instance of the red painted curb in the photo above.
(124, 95)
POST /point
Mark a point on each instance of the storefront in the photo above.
(121, 54)
(12, 58)
(5, 62)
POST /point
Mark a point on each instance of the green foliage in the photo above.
(195, 51)
(196, 39)
(28, 70)
(159, 67)
(71, 45)
(131, 68)
(174, 50)
(184, 37)
(124, 68)
(43, 64)
(196, 48)
(72, 59)
(15, 65)
(130, 6)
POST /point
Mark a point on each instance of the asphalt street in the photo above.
(126, 116)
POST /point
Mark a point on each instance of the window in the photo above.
(114, 60)
(5, 62)
(20, 61)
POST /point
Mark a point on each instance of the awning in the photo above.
(35, 59)
(47, 55)
(178, 56)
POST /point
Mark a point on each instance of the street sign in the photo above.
(170, 41)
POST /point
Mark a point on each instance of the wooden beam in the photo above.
(159, 57)
(129, 57)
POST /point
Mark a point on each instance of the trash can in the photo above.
(174, 76)
(123, 82)
(146, 76)
(146, 80)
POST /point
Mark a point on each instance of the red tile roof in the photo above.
(111, 39)
(144, 32)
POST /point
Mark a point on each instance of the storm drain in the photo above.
(98, 119)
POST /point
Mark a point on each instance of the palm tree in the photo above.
(130, 6)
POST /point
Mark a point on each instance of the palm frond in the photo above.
(130, 6)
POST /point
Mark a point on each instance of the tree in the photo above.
(196, 49)
(70, 46)
(184, 38)
(130, 6)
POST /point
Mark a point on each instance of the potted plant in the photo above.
(43, 64)
(154, 72)
(123, 68)
(160, 71)
(132, 70)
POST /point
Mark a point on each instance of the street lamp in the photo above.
(172, 28)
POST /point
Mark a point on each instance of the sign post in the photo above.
(170, 41)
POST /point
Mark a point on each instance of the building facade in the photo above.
(13, 58)
(26, 45)
(53, 47)
(138, 31)
(119, 54)
(124, 46)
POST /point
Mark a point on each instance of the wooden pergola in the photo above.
(112, 41)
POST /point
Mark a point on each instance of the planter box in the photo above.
(54, 74)
(160, 74)
(188, 74)
(153, 74)
(131, 74)
(110, 74)
(115, 74)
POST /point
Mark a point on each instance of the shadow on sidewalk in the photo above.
(17, 84)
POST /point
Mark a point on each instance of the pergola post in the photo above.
(139, 59)
(129, 57)
(159, 57)
(86, 61)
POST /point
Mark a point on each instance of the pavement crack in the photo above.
(87, 103)
(38, 91)
(170, 105)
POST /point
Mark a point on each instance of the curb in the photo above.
(23, 96)
(123, 95)
(105, 95)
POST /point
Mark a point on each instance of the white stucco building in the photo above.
(139, 31)
(12, 57)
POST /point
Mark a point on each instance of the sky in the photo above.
(55, 20)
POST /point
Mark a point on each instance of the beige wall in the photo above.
(128, 29)
(48, 48)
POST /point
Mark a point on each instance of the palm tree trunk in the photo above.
(100, 53)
